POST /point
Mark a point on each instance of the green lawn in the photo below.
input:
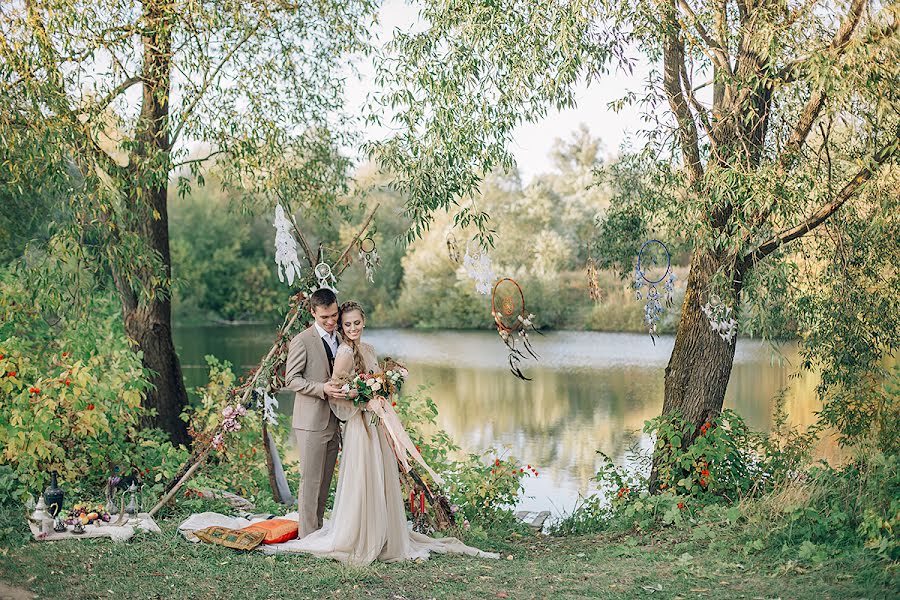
(671, 564)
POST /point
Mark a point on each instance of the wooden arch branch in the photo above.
(199, 457)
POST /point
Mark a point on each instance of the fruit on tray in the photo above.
(86, 514)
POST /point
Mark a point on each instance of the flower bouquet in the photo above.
(369, 385)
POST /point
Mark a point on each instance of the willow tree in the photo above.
(769, 121)
(124, 101)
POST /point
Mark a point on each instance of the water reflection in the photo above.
(591, 391)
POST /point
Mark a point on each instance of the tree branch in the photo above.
(50, 60)
(197, 160)
(186, 114)
(719, 55)
(702, 112)
(122, 87)
(825, 211)
(839, 44)
(673, 63)
(817, 98)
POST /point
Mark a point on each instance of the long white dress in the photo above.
(368, 521)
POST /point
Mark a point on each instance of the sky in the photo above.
(533, 141)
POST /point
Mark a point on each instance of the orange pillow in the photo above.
(276, 530)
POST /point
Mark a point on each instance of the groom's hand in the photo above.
(335, 391)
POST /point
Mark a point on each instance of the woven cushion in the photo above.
(231, 538)
(275, 530)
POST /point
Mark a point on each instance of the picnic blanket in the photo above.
(199, 521)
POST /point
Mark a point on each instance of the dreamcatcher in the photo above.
(286, 260)
(511, 318)
(452, 248)
(593, 282)
(325, 276)
(720, 319)
(652, 255)
(478, 266)
(368, 254)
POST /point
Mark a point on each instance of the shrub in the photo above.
(724, 463)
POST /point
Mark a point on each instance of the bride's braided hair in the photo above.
(359, 364)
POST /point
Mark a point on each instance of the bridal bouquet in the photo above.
(384, 383)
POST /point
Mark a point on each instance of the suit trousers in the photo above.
(318, 455)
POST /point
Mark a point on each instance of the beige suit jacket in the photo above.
(305, 374)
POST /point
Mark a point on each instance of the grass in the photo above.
(698, 562)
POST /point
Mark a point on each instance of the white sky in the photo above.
(533, 141)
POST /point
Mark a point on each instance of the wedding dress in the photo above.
(368, 521)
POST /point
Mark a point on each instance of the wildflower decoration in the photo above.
(653, 309)
(325, 276)
(720, 318)
(286, 259)
(512, 321)
(368, 254)
(478, 266)
(231, 415)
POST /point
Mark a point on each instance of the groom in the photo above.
(309, 361)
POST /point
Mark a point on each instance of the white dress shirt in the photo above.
(330, 339)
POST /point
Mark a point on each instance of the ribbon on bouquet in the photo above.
(398, 437)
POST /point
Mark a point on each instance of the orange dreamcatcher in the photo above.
(513, 322)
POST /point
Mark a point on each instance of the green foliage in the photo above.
(455, 92)
(759, 489)
(222, 259)
(831, 510)
(720, 461)
(70, 400)
(849, 315)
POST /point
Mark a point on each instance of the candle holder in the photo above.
(132, 508)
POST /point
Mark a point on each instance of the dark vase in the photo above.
(53, 496)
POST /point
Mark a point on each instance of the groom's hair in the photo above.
(322, 297)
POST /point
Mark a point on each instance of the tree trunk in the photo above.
(149, 326)
(700, 366)
(148, 321)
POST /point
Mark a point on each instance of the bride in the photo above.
(369, 520)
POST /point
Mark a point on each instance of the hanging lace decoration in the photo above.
(452, 248)
(593, 282)
(325, 277)
(720, 318)
(286, 259)
(368, 254)
(653, 309)
(268, 404)
(478, 266)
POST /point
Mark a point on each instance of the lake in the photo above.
(590, 391)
